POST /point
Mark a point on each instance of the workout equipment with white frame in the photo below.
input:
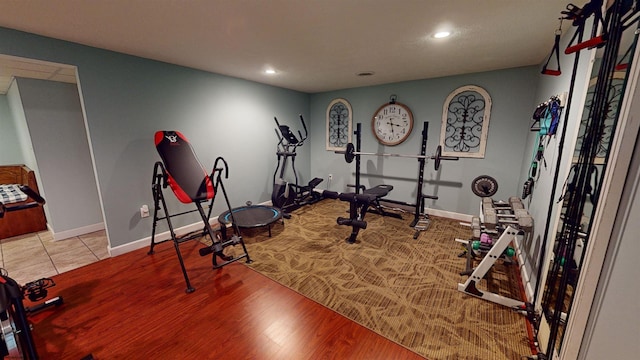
(512, 222)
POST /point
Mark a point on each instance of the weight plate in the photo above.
(349, 154)
(436, 163)
(484, 186)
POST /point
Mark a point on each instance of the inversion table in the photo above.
(190, 183)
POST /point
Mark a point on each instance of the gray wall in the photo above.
(53, 115)
(24, 151)
(127, 99)
(512, 94)
(612, 332)
(538, 202)
(10, 151)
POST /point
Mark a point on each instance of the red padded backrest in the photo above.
(186, 176)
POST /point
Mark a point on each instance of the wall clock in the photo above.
(392, 123)
(339, 124)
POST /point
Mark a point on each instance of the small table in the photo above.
(249, 217)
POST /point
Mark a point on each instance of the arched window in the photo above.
(465, 122)
(339, 124)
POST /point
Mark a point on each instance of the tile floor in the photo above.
(34, 256)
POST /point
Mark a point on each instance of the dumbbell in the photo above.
(486, 239)
(525, 221)
(520, 216)
(515, 203)
(478, 245)
(475, 227)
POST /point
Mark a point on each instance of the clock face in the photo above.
(392, 123)
(339, 126)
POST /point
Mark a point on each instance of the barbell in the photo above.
(350, 153)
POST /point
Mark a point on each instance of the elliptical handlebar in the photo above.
(287, 138)
(304, 126)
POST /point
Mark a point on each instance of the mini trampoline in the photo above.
(250, 217)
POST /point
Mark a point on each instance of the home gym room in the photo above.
(525, 68)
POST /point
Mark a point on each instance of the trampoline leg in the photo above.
(236, 229)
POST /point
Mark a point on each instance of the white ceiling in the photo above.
(314, 45)
(11, 67)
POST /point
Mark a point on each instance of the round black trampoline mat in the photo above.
(253, 216)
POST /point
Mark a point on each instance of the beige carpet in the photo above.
(401, 288)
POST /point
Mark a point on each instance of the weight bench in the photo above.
(379, 192)
(358, 206)
(190, 183)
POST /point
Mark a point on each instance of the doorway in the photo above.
(54, 141)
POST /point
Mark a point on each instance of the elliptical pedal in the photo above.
(314, 183)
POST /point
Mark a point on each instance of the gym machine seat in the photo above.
(358, 206)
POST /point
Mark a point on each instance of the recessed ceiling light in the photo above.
(441, 34)
(270, 71)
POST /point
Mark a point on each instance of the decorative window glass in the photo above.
(465, 122)
(616, 90)
(339, 124)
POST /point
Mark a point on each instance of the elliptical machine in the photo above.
(290, 196)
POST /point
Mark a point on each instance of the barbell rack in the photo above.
(354, 152)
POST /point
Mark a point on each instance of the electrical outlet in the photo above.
(563, 99)
(144, 211)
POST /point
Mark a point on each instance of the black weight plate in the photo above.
(484, 186)
(436, 163)
(349, 154)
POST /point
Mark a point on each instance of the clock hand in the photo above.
(391, 124)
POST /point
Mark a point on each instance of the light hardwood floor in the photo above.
(34, 256)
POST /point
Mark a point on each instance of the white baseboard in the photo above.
(75, 232)
(449, 215)
(141, 243)
(429, 211)
(166, 235)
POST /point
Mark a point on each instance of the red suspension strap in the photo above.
(555, 50)
(579, 17)
(623, 64)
